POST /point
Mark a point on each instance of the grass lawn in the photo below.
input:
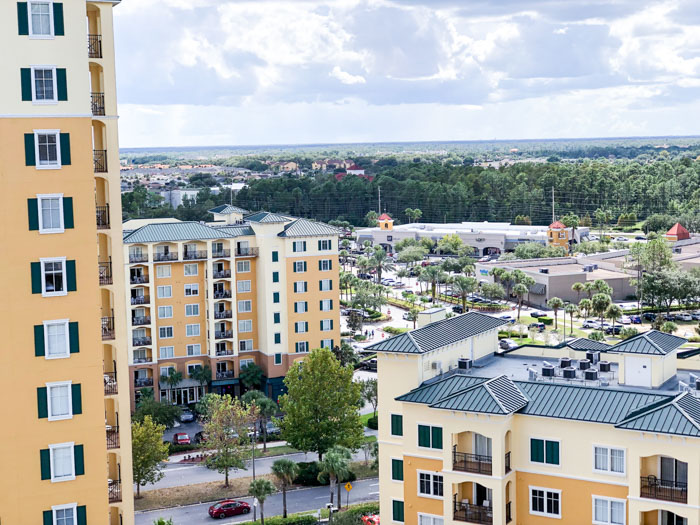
(364, 418)
(276, 451)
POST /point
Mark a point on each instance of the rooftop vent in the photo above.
(677, 249)
(593, 356)
(531, 374)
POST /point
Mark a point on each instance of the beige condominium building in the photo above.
(67, 458)
(584, 434)
(259, 289)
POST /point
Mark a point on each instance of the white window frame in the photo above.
(160, 269)
(432, 476)
(244, 302)
(243, 264)
(192, 366)
(306, 347)
(245, 362)
(545, 490)
(248, 343)
(246, 284)
(192, 306)
(73, 506)
(43, 262)
(609, 470)
(191, 350)
(71, 447)
(432, 517)
(51, 34)
(190, 329)
(326, 305)
(192, 287)
(300, 327)
(163, 288)
(298, 247)
(326, 262)
(300, 309)
(277, 357)
(171, 352)
(544, 463)
(246, 323)
(37, 164)
(46, 196)
(326, 245)
(190, 265)
(44, 102)
(300, 285)
(301, 266)
(165, 307)
(166, 369)
(63, 322)
(56, 384)
(610, 501)
(327, 343)
(326, 285)
(328, 323)
(172, 332)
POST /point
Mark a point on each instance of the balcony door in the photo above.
(190, 249)
(482, 445)
(242, 247)
(674, 471)
(669, 518)
(483, 496)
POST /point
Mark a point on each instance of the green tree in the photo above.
(571, 221)
(596, 336)
(147, 452)
(413, 214)
(432, 275)
(163, 521)
(493, 291)
(321, 405)
(345, 354)
(371, 218)
(335, 465)
(555, 303)
(613, 312)
(520, 290)
(172, 379)
(285, 470)
(411, 255)
(201, 374)
(464, 286)
(570, 309)
(450, 244)
(260, 489)
(600, 303)
(369, 393)
(251, 375)
(669, 327)
(578, 288)
(381, 262)
(413, 316)
(585, 306)
(165, 414)
(265, 408)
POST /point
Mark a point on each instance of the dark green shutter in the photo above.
(77, 399)
(276, 317)
(82, 515)
(58, 28)
(45, 458)
(397, 510)
(39, 344)
(29, 151)
(304, 265)
(79, 458)
(319, 245)
(42, 402)
(423, 436)
(26, 78)
(48, 517)
(330, 284)
(331, 304)
(61, 83)
(278, 339)
(330, 264)
(65, 148)
(68, 221)
(295, 308)
(306, 326)
(537, 451)
(22, 18)
(70, 276)
(33, 212)
(275, 256)
(396, 468)
(296, 330)
(275, 277)
(396, 425)
(275, 297)
(552, 452)
(437, 437)
(304, 245)
(74, 336)
(320, 304)
(36, 277)
(320, 284)
(331, 324)
(319, 264)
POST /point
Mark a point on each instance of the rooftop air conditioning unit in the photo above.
(593, 356)
(587, 268)
(584, 364)
(569, 372)
(591, 374)
(604, 366)
(436, 365)
(594, 266)
(677, 249)
(564, 362)
(547, 371)
(531, 374)
(544, 270)
(464, 363)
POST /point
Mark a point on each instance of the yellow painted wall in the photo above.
(413, 503)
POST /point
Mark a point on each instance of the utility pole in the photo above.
(379, 200)
(553, 218)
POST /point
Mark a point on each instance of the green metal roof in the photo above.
(430, 393)
(266, 217)
(173, 232)
(307, 228)
(652, 342)
(494, 396)
(439, 334)
(680, 416)
(238, 230)
(227, 209)
(581, 343)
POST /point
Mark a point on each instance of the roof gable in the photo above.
(652, 342)
(173, 232)
(679, 417)
(582, 343)
(307, 228)
(267, 217)
(678, 230)
(557, 225)
(494, 396)
(227, 209)
(437, 390)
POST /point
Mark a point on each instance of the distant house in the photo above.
(677, 233)
(355, 170)
(176, 197)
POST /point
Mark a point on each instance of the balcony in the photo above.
(224, 334)
(221, 253)
(105, 272)
(247, 252)
(140, 299)
(115, 490)
(138, 279)
(227, 351)
(141, 341)
(507, 462)
(110, 379)
(140, 382)
(97, 101)
(464, 462)
(472, 513)
(227, 374)
(170, 256)
(224, 314)
(224, 274)
(660, 489)
(141, 320)
(102, 213)
(138, 258)
(107, 328)
(112, 437)
(194, 255)
(94, 46)
(142, 360)
(99, 159)
(509, 512)
(222, 294)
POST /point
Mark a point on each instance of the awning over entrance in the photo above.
(223, 382)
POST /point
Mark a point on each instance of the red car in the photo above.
(181, 439)
(228, 507)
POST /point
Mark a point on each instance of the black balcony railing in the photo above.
(223, 274)
(138, 279)
(140, 382)
(507, 462)
(509, 512)
(140, 360)
(113, 437)
(140, 320)
(141, 341)
(102, 213)
(465, 462)
(655, 488)
(227, 351)
(472, 513)
(221, 253)
(105, 272)
(170, 256)
(224, 314)
(110, 379)
(99, 158)
(138, 257)
(140, 299)
(107, 328)
(97, 101)
(224, 334)
(227, 374)
(190, 255)
(247, 252)
(222, 294)
(94, 46)
(115, 491)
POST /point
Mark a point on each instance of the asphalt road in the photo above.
(308, 499)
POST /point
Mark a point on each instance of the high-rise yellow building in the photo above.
(63, 373)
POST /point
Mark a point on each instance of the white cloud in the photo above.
(345, 77)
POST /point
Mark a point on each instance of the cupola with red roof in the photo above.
(557, 225)
(385, 222)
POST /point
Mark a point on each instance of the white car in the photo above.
(592, 237)
(621, 239)
(684, 317)
(590, 323)
(625, 320)
(507, 344)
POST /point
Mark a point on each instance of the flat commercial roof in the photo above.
(559, 269)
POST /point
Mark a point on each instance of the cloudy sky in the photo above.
(239, 72)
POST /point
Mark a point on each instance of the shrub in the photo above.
(393, 330)
(302, 519)
(345, 334)
(373, 423)
(626, 333)
(546, 320)
(176, 449)
(308, 474)
(359, 337)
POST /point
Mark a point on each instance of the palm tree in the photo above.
(402, 273)
(570, 309)
(345, 244)
(585, 306)
(363, 264)
(463, 286)
(600, 302)
(336, 465)
(431, 274)
(578, 288)
(520, 290)
(285, 470)
(589, 288)
(172, 379)
(555, 304)
(613, 312)
(260, 489)
(201, 374)
(346, 280)
(344, 257)
(381, 262)
(413, 316)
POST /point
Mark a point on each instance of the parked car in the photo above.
(272, 429)
(200, 437)
(621, 239)
(640, 238)
(590, 323)
(507, 344)
(228, 507)
(636, 319)
(508, 318)
(648, 316)
(625, 320)
(458, 309)
(370, 364)
(181, 438)
(186, 416)
(406, 316)
(485, 258)
(684, 317)
(539, 326)
(695, 316)
(593, 238)
(537, 314)
(616, 329)
(365, 276)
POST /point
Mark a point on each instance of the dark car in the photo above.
(616, 329)
(458, 309)
(227, 508)
(199, 437)
(636, 319)
(648, 316)
(539, 326)
(537, 314)
(365, 276)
